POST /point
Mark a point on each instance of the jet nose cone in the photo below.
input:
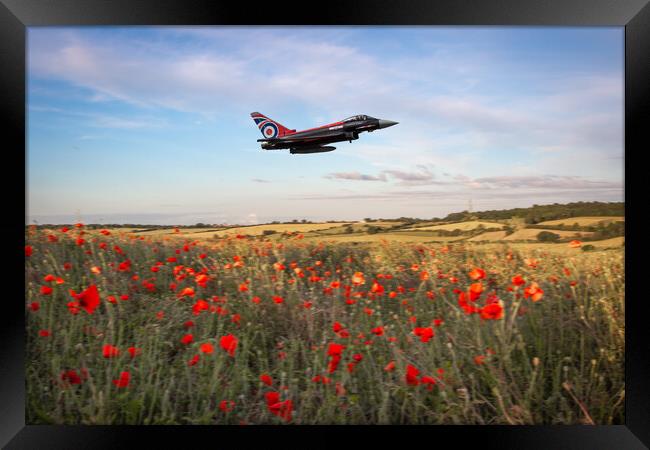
(386, 123)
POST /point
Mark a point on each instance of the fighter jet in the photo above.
(312, 140)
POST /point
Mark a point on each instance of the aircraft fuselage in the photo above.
(313, 139)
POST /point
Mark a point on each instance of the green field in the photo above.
(291, 329)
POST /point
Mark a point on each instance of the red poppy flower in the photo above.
(110, 351)
(43, 333)
(272, 397)
(134, 351)
(479, 360)
(266, 379)
(358, 278)
(475, 290)
(378, 331)
(337, 327)
(71, 377)
(28, 250)
(278, 299)
(229, 344)
(429, 381)
(226, 405)
(534, 292)
(517, 280)
(390, 366)
(88, 299)
(200, 305)
(187, 292)
(412, 375)
(477, 274)
(333, 363)
(425, 334)
(377, 288)
(492, 311)
(194, 360)
(187, 339)
(73, 307)
(35, 306)
(206, 348)
(123, 381)
(335, 349)
(321, 379)
(46, 290)
(278, 408)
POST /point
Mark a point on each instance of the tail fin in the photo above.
(270, 128)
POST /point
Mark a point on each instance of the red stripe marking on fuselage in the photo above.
(319, 128)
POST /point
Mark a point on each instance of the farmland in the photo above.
(133, 328)
(464, 226)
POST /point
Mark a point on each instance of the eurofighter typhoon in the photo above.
(313, 140)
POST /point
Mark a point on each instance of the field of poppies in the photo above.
(123, 329)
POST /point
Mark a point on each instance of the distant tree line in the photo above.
(542, 213)
(599, 230)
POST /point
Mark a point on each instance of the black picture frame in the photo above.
(16, 15)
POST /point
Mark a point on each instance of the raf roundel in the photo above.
(270, 130)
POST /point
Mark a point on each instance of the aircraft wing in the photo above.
(313, 138)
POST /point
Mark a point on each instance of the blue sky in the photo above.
(152, 124)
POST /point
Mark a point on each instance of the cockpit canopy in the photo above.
(357, 118)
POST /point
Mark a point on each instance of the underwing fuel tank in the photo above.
(302, 150)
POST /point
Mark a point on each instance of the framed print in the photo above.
(370, 218)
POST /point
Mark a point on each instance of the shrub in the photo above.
(547, 236)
